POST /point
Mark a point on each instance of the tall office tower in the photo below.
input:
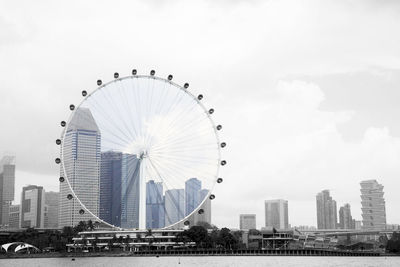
(206, 207)
(372, 205)
(174, 206)
(51, 209)
(110, 187)
(7, 183)
(276, 214)
(326, 211)
(154, 205)
(14, 217)
(119, 189)
(345, 219)
(247, 221)
(192, 189)
(130, 191)
(32, 207)
(82, 165)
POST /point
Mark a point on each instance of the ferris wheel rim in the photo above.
(152, 77)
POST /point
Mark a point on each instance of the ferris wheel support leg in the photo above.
(142, 201)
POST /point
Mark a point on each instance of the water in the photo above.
(217, 261)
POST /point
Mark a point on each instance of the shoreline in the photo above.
(282, 253)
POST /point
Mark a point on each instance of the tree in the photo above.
(197, 234)
(90, 225)
(393, 245)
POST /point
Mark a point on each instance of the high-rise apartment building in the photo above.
(192, 189)
(345, 219)
(247, 221)
(174, 206)
(81, 160)
(32, 207)
(14, 217)
(372, 205)
(277, 214)
(7, 183)
(326, 211)
(154, 205)
(51, 209)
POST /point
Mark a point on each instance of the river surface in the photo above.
(217, 261)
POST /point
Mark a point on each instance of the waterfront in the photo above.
(219, 261)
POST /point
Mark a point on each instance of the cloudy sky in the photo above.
(307, 91)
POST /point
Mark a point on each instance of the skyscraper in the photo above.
(372, 205)
(32, 207)
(326, 211)
(192, 189)
(7, 183)
(119, 189)
(154, 205)
(81, 154)
(51, 206)
(276, 214)
(14, 217)
(206, 207)
(247, 221)
(130, 191)
(174, 206)
(345, 219)
(110, 187)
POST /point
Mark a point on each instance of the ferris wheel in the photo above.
(138, 152)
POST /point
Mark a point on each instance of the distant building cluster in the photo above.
(372, 207)
(328, 217)
(38, 209)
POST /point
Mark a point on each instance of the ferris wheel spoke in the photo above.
(128, 109)
(106, 119)
(117, 110)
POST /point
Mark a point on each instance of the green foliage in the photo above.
(215, 239)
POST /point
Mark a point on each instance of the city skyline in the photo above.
(371, 197)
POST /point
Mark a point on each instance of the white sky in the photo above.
(307, 91)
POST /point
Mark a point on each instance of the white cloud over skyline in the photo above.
(277, 73)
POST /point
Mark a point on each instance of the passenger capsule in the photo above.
(152, 72)
(84, 93)
(58, 160)
(134, 72)
(116, 75)
(63, 123)
(219, 180)
(81, 211)
(212, 196)
(201, 211)
(223, 162)
(99, 82)
(61, 179)
(186, 223)
(58, 142)
(223, 144)
(71, 107)
(69, 196)
(211, 111)
(170, 77)
(186, 85)
(219, 127)
(200, 97)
